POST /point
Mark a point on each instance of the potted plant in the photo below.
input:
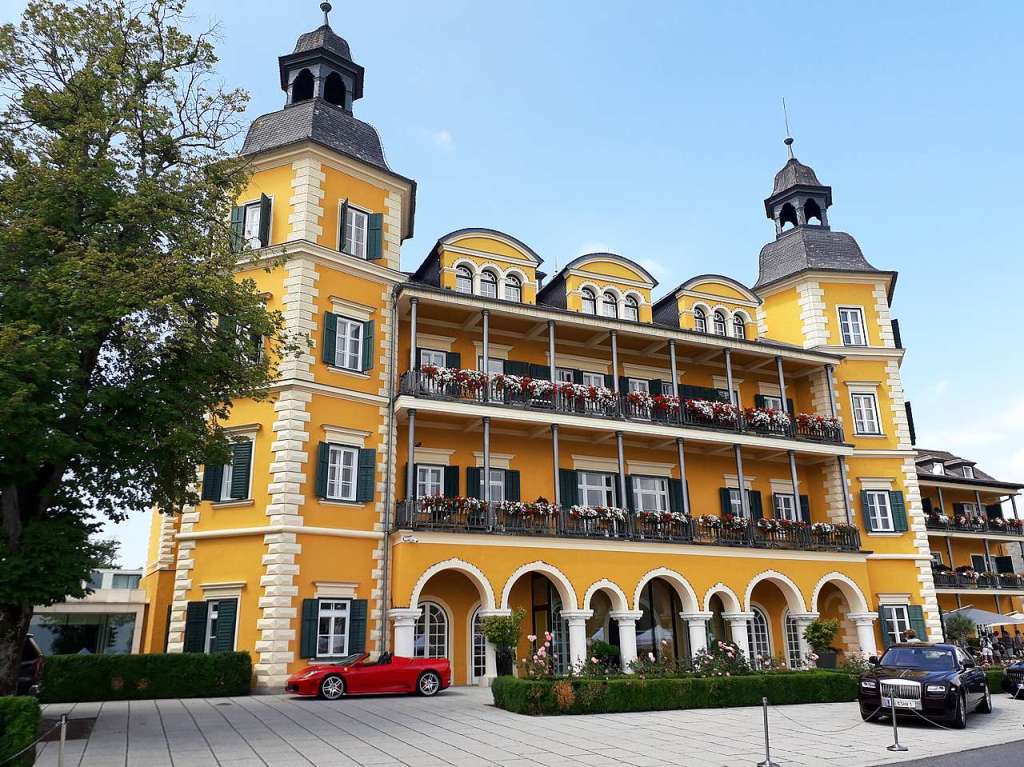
(502, 631)
(819, 635)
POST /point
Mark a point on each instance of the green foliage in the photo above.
(854, 664)
(720, 659)
(19, 726)
(994, 677)
(503, 630)
(958, 628)
(819, 634)
(588, 696)
(607, 654)
(649, 666)
(74, 678)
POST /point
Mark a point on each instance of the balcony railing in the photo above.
(602, 403)
(949, 580)
(942, 523)
(498, 519)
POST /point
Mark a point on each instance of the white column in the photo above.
(412, 333)
(405, 629)
(627, 635)
(738, 626)
(697, 623)
(865, 623)
(490, 652)
(577, 620)
(802, 620)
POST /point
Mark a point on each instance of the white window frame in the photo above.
(759, 637)
(588, 295)
(740, 324)
(937, 558)
(336, 456)
(792, 630)
(736, 503)
(564, 375)
(251, 224)
(862, 426)
(477, 648)
(463, 272)
(897, 617)
(225, 481)
(612, 306)
(603, 483)
(631, 309)
(654, 497)
(773, 401)
(700, 319)
(227, 471)
(971, 509)
(356, 222)
(349, 331)
(494, 367)
(879, 512)
(484, 274)
(497, 485)
(592, 379)
(434, 357)
(212, 611)
(425, 479)
(640, 384)
(425, 628)
(968, 472)
(988, 563)
(853, 330)
(513, 285)
(938, 469)
(785, 507)
(718, 313)
(333, 610)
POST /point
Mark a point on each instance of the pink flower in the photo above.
(593, 660)
(547, 644)
(650, 657)
(541, 652)
(531, 637)
(547, 636)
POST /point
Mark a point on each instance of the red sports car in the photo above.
(357, 675)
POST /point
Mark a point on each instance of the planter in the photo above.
(504, 661)
(827, 657)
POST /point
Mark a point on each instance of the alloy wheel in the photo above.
(333, 687)
(429, 684)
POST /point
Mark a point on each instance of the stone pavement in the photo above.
(461, 727)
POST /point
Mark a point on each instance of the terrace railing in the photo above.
(943, 523)
(949, 580)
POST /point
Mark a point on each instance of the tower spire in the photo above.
(788, 141)
(326, 8)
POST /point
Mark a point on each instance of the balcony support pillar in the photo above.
(555, 464)
(796, 482)
(552, 367)
(615, 360)
(942, 504)
(486, 481)
(742, 483)
(623, 501)
(697, 623)
(412, 333)
(627, 635)
(410, 460)
(1013, 502)
(738, 628)
(782, 384)
(841, 460)
(728, 378)
(952, 564)
(681, 455)
(831, 390)
(982, 511)
(672, 367)
(486, 316)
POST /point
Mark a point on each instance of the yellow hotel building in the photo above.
(625, 463)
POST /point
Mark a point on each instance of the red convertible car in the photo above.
(357, 675)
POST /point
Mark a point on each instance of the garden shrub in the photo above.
(74, 678)
(19, 726)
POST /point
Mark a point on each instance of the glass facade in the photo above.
(85, 633)
(660, 630)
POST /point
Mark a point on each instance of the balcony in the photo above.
(514, 519)
(978, 525)
(599, 402)
(974, 580)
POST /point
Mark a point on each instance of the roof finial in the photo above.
(326, 8)
(788, 141)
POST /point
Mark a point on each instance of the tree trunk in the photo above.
(14, 620)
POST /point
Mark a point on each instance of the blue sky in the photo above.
(654, 130)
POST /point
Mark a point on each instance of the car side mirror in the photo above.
(873, 660)
(968, 663)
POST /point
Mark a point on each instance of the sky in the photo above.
(654, 130)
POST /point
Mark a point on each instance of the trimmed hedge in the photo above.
(75, 678)
(994, 677)
(19, 726)
(602, 696)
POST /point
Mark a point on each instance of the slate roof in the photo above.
(952, 466)
(809, 247)
(793, 173)
(321, 122)
(323, 37)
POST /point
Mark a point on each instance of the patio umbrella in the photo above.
(985, 618)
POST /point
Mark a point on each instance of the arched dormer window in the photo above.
(334, 90)
(812, 211)
(609, 305)
(700, 320)
(513, 288)
(463, 279)
(720, 328)
(787, 218)
(488, 284)
(302, 86)
(631, 310)
(739, 327)
(589, 301)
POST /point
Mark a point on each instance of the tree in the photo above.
(107, 552)
(124, 333)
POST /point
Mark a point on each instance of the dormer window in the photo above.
(700, 320)
(739, 328)
(513, 289)
(463, 279)
(938, 469)
(609, 305)
(969, 472)
(589, 301)
(631, 311)
(488, 284)
(720, 327)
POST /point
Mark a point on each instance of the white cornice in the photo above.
(333, 258)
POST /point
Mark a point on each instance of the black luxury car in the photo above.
(1013, 679)
(939, 681)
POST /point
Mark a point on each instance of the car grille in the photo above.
(900, 688)
(1015, 676)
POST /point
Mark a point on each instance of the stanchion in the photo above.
(63, 739)
(892, 712)
(767, 744)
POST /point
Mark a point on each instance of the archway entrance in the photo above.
(543, 601)
(660, 631)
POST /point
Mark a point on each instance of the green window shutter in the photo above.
(926, 505)
(958, 509)
(410, 491)
(512, 490)
(366, 471)
(241, 468)
(516, 368)
(368, 345)
(789, 406)
(756, 510)
(328, 352)
(630, 497)
(724, 500)
(686, 489)
(195, 627)
(864, 511)
(916, 615)
(237, 228)
(374, 236)
(474, 479)
(655, 386)
(453, 360)
(805, 509)
(357, 626)
(323, 460)
(568, 489)
(899, 511)
(577, 376)
(759, 400)
(609, 382)
(307, 635)
(886, 625)
(540, 372)
(213, 476)
(227, 613)
(343, 244)
(675, 495)
(264, 221)
(1004, 564)
(451, 481)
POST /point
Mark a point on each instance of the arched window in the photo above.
(660, 630)
(739, 328)
(787, 215)
(463, 279)
(700, 320)
(334, 90)
(478, 661)
(719, 323)
(758, 639)
(812, 211)
(609, 305)
(302, 86)
(589, 301)
(513, 288)
(430, 639)
(488, 284)
(631, 311)
(793, 642)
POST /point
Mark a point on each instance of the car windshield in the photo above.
(926, 658)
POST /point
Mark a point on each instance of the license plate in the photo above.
(900, 703)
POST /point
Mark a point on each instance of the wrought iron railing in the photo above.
(614, 406)
(974, 525)
(497, 519)
(949, 580)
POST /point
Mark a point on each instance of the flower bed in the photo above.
(619, 694)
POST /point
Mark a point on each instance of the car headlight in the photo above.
(307, 674)
(869, 684)
(936, 688)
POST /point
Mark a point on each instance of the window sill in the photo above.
(233, 504)
(336, 502)
(347, 371)
(871, 436)
(886, 534)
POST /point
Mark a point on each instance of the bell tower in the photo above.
(321, 67)
(798, 198)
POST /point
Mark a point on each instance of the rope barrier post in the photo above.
(892, 712)
(767, 745)
(63, 739)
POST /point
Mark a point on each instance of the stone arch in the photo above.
(472, 572)
(558, 578)
(847, 586)
(687, 596)
(303, 86)
(615, 594)
(334, 90)
(785, 584)
(730, 602)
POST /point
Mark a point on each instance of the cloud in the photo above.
(443, 140)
